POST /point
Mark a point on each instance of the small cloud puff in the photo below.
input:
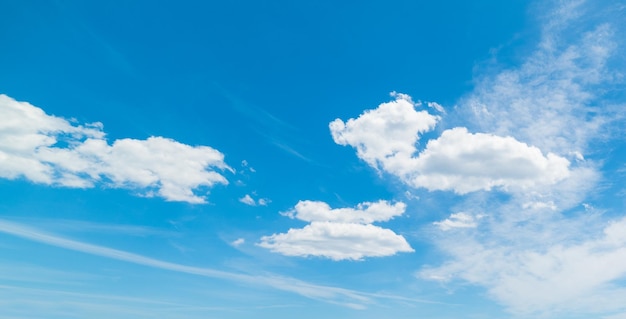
(238, 242)
(436, 106)
(245, 164)
(458, 220)
(248, 200)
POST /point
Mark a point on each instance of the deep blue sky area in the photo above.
(258, 74)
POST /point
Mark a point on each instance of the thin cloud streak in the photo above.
(43, 303)
(335, 295)
(70, 225)
(282, 131)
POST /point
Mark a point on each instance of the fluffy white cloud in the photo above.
(466, 162)
(24, 130)
(457, 220)
(385, 137)
(338, 234)
(364, 213)
(337, 241)
(460, 161)
(51, 150)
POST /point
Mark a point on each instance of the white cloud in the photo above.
(457, 220)
(364, 213)
(238, 242)
(460, 161)
(248, 200)
(50, 150)
(337, 241)
(385, 137)
(539, 205)
(436, 106)
(466, 162)
(245, 164)
(338, 234)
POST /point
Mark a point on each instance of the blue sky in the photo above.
(281, 159)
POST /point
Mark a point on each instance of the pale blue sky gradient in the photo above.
(281, 159)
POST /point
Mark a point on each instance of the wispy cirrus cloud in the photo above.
(341, 296)
(84, 226)
(557, 276)
(51, 150)
(21, 302)
(559, 97)
(543, 251)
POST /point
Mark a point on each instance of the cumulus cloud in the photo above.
(466, 162)
(364, 213)
(51, 150)
(337, 241)
(386, 138)
(338, 234)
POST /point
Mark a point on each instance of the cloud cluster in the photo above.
(386, 138)
(250, 201)
(545, 251)
(338, 234)
(51, 150)
(536, 251)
